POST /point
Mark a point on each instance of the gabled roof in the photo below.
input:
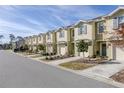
(50, 31)
(79, 22)
(116, 10)
(64, 27)
(41, 34)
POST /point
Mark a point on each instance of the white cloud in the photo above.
(28, 20)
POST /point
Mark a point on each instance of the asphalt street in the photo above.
(20, 72)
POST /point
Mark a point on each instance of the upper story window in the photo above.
(61, 34)
(72, 33)
(100, 27)
(117, 20)
(115, 23)
(82, 29)
(121, 19)
(48, 36)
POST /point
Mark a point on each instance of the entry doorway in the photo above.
(103, 49)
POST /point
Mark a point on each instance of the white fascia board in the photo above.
(114, 11)
(79, 22)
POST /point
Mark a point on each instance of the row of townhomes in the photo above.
(63, 40)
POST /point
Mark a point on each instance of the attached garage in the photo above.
(49, 49)
(119, 53)
(63, 50)
(86, 54)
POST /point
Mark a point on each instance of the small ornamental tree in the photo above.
(82, 46)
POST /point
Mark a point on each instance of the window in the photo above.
(100, 27)
(48, 36)
(115, 23)
(61, 34)
(82, 29)
(121, 19)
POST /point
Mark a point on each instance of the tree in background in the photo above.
(1, 37)
(12, 39)
(19, 38)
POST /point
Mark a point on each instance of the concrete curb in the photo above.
(95, 77)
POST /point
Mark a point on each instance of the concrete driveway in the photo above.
(21, 72)
(105, 70)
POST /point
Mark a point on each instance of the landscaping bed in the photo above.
(36, 56)
(77, 65)
(81, 64)
(54, 58)
(119, 77)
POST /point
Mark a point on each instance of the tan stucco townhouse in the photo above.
(51, 46)
(65, 38)
(97, 31)
(84, 30)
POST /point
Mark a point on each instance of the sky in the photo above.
(32, 20)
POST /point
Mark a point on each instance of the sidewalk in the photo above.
(57, 62)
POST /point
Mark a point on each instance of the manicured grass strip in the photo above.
(76, 65)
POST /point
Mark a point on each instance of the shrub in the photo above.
(46, 58)
(51, 58)
(94, 56)
(41, 47)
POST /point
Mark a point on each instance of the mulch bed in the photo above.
(50, 60)
(119, 76)
(90, 61)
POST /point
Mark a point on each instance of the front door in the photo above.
(103, 49)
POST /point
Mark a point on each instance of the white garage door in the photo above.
(119, 53)
(63, 50)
